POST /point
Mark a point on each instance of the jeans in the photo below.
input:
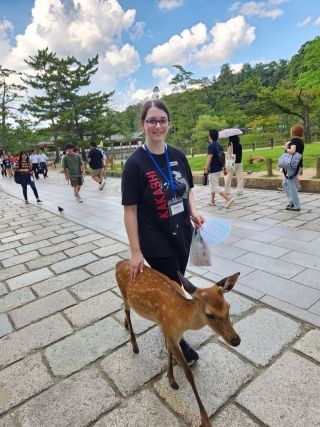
(25, 181)
(290, 187)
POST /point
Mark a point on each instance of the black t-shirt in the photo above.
(215, 165)
(237, 150)
(299, 148)
(96, 158)
(143, 185)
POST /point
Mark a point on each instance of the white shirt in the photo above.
(34, 158)
(42, 158)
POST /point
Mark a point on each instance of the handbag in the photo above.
(205, 179)
(230, 160)
(199, 251)
(18, 177)
(287, 160)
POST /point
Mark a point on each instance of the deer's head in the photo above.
(213, 308)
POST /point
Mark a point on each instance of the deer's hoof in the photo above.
(136, 350)
(175, 386)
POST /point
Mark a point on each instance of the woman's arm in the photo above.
(131, 224)
(292, 149)
(195, 216)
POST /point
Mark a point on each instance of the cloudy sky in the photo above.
(138, 41)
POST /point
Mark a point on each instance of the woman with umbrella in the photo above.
(234, 157)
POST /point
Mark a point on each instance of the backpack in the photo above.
(221, 155)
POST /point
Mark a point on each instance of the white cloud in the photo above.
(81, 28)
(137, 31)
(261, 9)
(305, 22)
(227, 37)
(5, 28)
(236, 68)
(180, 48)
(317, 21)
(169, 4)
(277, 1)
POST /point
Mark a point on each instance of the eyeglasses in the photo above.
(153, 122)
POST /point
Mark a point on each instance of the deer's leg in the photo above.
(170, 375)
(126, 322)
(178, 355)
(135, 347)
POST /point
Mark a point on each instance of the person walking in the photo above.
(295, 145)
(95, 159)
(24, 170)
(158, 203)
(214, 168)
(234, 147)
(35, 163)
(73, 169)
(43, 163)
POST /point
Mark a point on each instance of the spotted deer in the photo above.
(161, 300)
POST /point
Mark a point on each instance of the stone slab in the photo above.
(93, 309)
(283, 289)
(17, 237)
(8, 254)
(59, 282)
(79, 250)
(260, 248)
(139, 324)
(144, 409)
(308, 277)
(286, 394)
(3, 289)
(5, 325)
(41, 308)
(14, 271)
(18, 344)
(8, 421)
(218, 375)
(33, 246)
(264, 334)
(62, 238)
(232, 416)
(303, 259)
(129, 371)
(72, 263)
(102, 265)
(52, 249)
(44, 261)
(92, 237)
(76, 401)
(22, 380)
(91, 343)
(310, 344)
(95, 285)
(105, 242)
(30, 278)
(38, 238)
(15, 299)
(106, 251)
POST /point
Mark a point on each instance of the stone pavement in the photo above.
(66, 359)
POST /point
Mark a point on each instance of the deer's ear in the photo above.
(228, 282)
(188, 286)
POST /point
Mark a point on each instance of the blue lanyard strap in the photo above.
(170, 180)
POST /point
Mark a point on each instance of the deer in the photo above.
(156, 297)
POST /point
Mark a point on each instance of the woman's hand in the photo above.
(197, 219)
(136, 265)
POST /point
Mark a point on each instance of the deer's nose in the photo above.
(235, 341)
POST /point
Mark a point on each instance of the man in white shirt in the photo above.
(43, 163)
(35, 163)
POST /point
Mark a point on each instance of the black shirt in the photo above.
(215, 165)
(237, 150)
(96, 158)
(299, 147)
(143, 185)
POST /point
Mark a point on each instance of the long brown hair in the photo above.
(20, 158)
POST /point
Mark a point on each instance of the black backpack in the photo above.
(221, 155)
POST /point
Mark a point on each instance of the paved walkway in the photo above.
(65, 359)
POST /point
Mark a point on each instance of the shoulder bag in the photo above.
(287, 160)
(17, 177)
(230, 160)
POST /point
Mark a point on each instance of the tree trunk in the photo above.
(306, 123)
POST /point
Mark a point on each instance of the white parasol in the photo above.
(225, 133)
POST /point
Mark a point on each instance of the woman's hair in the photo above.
(297, 130)
(214, 134)
(20, 157)
(154, 103)
(234, 139)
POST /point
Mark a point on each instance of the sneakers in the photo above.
(299, 188)
(212, 203)
(280, 188)
(292, 208)
(189, 354)
(26, 202)
(39, 201)
(101, 185)
(79, 200)
(239, 193)
(229, 203)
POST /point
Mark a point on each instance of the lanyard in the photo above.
(154, 161)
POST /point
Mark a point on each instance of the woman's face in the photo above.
(156, 125)
(24, 156)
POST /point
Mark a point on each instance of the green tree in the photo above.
(200, 131)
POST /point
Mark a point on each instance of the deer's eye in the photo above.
(210, 316)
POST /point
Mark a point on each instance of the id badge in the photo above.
(175, 206)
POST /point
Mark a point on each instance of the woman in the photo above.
(296, 145)
(24, 168)
(158, 203)
(234, 147)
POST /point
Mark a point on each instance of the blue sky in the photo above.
(139, 40)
